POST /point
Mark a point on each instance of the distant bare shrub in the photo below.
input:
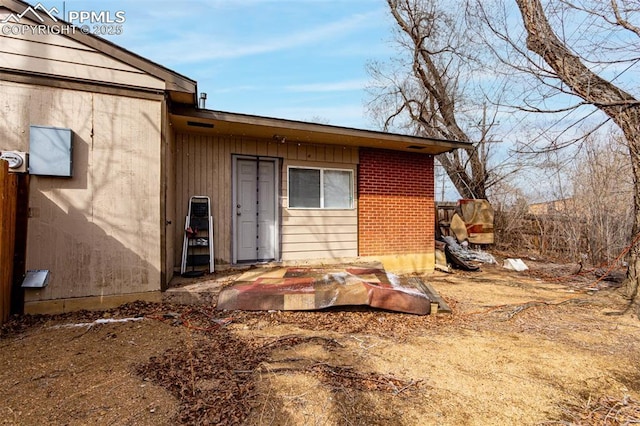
(603, 195)
(591, 223)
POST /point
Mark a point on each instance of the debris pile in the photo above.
(467, 222)
(461, 256)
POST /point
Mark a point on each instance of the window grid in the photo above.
(322, 170)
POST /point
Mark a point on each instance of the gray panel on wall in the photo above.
(50, 151)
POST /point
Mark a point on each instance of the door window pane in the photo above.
(337, 189)
(304, 188)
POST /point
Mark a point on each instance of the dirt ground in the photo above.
(537, 347)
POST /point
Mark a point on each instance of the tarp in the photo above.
(317, 288)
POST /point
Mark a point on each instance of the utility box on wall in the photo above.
(50, 151)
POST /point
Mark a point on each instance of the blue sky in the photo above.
(304, 59)
(296, 59)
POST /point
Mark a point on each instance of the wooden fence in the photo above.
(556, 236)
(14, 212)
(8, 205)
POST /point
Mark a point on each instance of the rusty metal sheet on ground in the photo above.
(318, 288)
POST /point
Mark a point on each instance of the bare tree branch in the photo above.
(430, 98)
(622, 107)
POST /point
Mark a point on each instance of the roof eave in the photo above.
(223, 122)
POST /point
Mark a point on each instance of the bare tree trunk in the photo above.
(619, 105)
(432, 107)
(633, 275)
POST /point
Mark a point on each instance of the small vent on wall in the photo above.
(416, 147)
(200, 124)
(38, 278)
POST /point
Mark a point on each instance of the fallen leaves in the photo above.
(215, 375)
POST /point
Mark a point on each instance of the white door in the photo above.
(255, 206)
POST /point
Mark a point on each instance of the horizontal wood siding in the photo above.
(331, 233)
(314, 222)
(340, 234)
(203, 167)
(57, 55)
(315, 233)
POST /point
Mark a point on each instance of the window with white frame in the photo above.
(317, 188)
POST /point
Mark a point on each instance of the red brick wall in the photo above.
(395, 203)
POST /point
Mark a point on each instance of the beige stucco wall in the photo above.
(98, 232)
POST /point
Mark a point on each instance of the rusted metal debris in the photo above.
(319, 288)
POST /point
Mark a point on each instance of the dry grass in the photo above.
(518, 349)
